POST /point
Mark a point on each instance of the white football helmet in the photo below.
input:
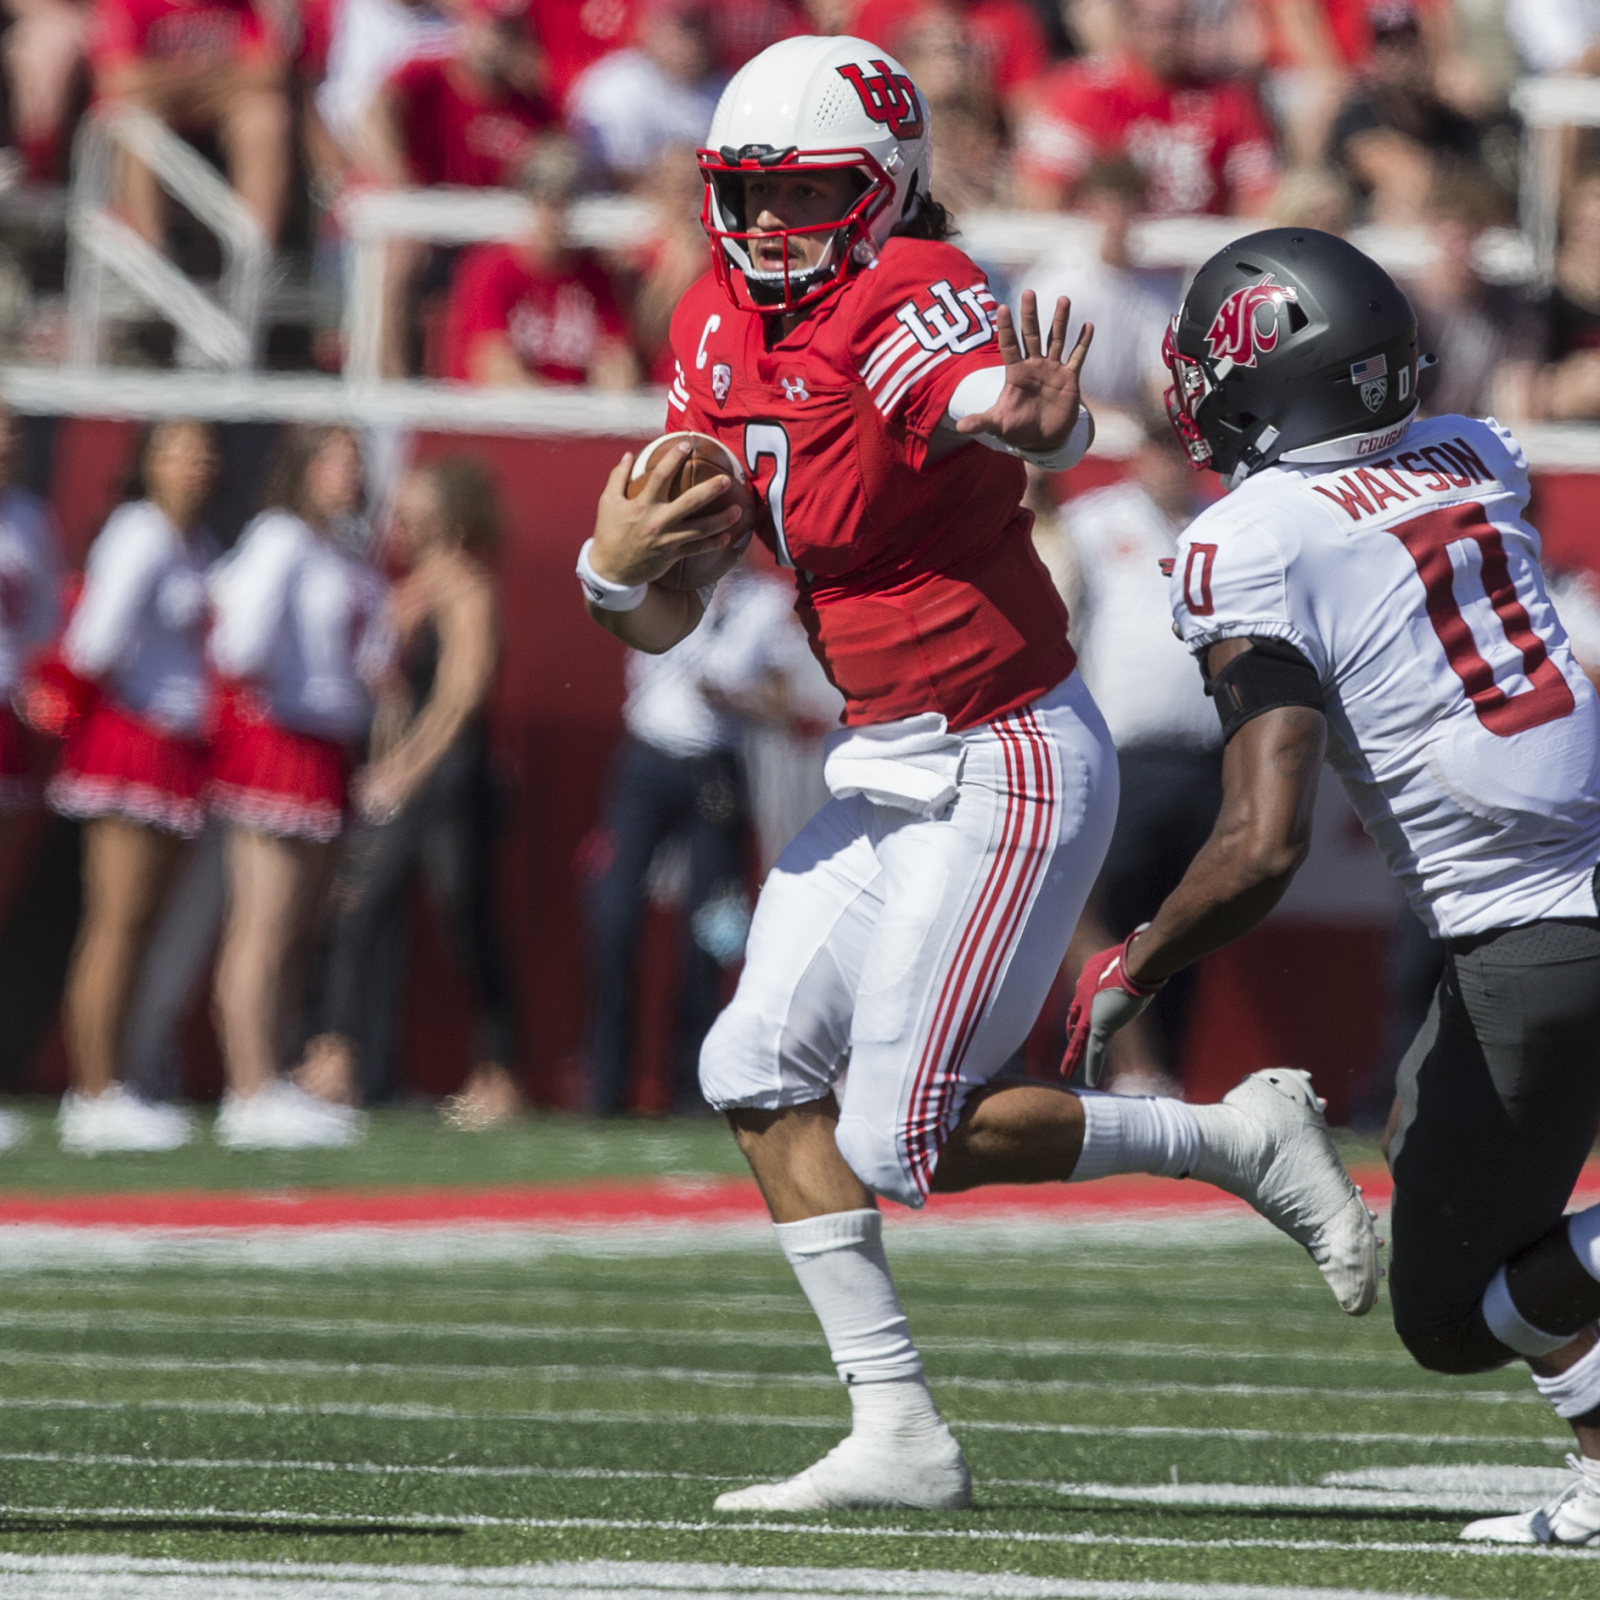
(822, 103)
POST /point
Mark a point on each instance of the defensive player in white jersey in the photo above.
(846, 353)
(1371, 591)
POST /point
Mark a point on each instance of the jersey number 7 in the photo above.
(1428, 539)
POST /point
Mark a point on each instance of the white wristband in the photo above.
(602, 592)
(1068, 454)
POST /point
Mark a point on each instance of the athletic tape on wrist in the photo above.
(1511, 1328)
(1583, 1234)
(602, 592)
(1575, 1392)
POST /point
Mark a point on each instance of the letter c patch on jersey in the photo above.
(888, 97)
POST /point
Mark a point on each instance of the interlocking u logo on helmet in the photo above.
(1235, 335)
(890, 98)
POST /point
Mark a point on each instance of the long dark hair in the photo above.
(136, 484)
(925, 218)
(467, 501)
(285, 486)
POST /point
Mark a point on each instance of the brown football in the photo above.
(707, 459)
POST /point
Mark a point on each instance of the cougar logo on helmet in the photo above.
(1235, 335)
(889, 97)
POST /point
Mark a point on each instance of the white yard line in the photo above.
(51, 1247)
(578, 1372)
(1473, 1489)
(416, 1412)
(237, 1516)
(90, 1322)
(129, 1578)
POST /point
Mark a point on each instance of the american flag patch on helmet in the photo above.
(1373, 367)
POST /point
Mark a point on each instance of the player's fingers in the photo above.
(1006, 332)
(693, 501)
(617, 483)
(983, 422)
(1058, 328)
(1030, 324)
(1074, 362)
(716, 524)
(1094, 1061)
(658, 482)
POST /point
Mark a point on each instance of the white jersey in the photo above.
(1466, 735)
(305, 621)
(30, 581)
(1139, 674)
(141, 621)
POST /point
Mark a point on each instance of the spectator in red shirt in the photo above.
(44, 47)
(538, 311)
(670, 259)
(1007, 42)
(471, 119)
(201, 66)
(1203, 145)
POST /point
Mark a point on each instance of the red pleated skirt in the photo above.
(271, 779)
(115, 765)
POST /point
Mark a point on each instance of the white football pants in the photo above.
(918, 951)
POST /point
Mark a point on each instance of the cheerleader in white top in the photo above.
(30, 605)
(133, 766)
(300, 638)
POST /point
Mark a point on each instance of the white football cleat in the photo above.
(1267, 1143)
(1573, 1517)
(865, 1471)
(117, 1119)
(282, 1116)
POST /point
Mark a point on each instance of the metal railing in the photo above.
(218, 331)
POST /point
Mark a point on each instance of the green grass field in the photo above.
(584, 1401)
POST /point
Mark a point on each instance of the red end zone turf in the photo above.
(612, 1205)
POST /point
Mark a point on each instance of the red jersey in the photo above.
(452, 136)
(1005, 34)
(1201, 146)
(556, 318)
(228, 32)
(919, 585)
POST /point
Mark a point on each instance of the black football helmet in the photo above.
(1290, 345)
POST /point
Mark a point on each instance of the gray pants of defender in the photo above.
(1500, 1104)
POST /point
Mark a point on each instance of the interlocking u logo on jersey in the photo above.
(890, 98)
(958, 323)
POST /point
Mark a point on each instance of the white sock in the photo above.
(1575, 1392)
(1136, 1133)
(1583, 1234)
(1511, 1328)
(840, 1263)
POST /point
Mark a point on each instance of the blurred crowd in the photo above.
(1332, 113)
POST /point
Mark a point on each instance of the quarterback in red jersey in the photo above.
(859, 367)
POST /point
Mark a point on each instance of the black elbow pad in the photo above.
(1267, 675)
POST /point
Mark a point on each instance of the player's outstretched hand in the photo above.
(1106, 999)
(1038, 407)
(638, 540)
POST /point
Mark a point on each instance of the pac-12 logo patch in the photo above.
(1375, 393)
(888, 97)
(1236, 332)
(721, 381)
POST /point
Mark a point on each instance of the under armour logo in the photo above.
(958, 323)
(795, 389)
(890, 98)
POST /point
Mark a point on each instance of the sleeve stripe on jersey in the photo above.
(884, 356)
(922, 362)
(678, 394)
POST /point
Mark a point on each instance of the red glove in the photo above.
(1106, 999)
